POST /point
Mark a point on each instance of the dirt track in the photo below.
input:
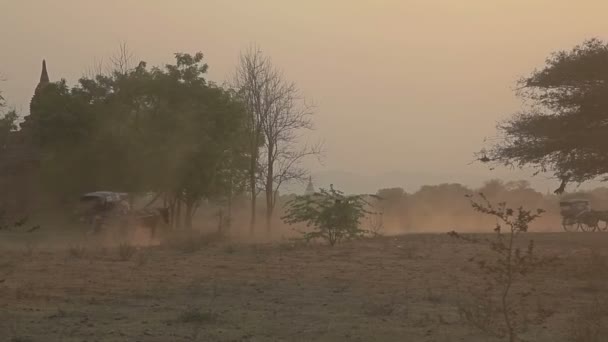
(405, 288)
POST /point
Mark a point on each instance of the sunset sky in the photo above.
(406, 90)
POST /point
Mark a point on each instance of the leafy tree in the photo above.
(332, 215)
(8, 122)
(563, 130)
(161, 129)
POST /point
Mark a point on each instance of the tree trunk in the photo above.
(188, 215)
(269, 189)
(229, 207)
(171, 203)
(252, 185)
(178, 214)
(220, 224)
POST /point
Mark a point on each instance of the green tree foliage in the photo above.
(332, 215)
(8, 122)
(564, 129)
(162, 129)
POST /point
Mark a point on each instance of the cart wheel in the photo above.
(603, 226)
(570, 226)
(587, 228)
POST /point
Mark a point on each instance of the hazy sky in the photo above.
(401, 86)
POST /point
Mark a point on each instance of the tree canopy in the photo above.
(161, 129)
(563, 130)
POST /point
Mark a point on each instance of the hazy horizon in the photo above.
(410, 87)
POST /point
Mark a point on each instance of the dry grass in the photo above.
(368, 290)
(589, 323)
(196, 315)
(193, 241)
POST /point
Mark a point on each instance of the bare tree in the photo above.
(283, 155)
(277, 114)
(250, 79)
(122, 60)
(96, 68)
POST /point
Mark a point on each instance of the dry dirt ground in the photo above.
(404, 288)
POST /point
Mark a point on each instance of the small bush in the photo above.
(333, 216)
(126, 251)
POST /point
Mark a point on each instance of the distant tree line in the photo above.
(444, 206)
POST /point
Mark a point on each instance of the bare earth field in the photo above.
(403, 288)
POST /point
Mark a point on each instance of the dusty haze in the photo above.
(400, 85)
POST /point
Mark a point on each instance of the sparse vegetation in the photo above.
(589, 323)
(502, 273)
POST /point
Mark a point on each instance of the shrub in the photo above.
(502, 272)
(332, 215)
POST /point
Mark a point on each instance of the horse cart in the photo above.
(105, 210)
(577, 215)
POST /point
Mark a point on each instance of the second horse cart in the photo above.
(577, 215)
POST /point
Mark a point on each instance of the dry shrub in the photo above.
(505, 271)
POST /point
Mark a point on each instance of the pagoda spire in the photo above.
(44, 76)
(310, 188)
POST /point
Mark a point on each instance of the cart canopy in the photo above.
(106, 196)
